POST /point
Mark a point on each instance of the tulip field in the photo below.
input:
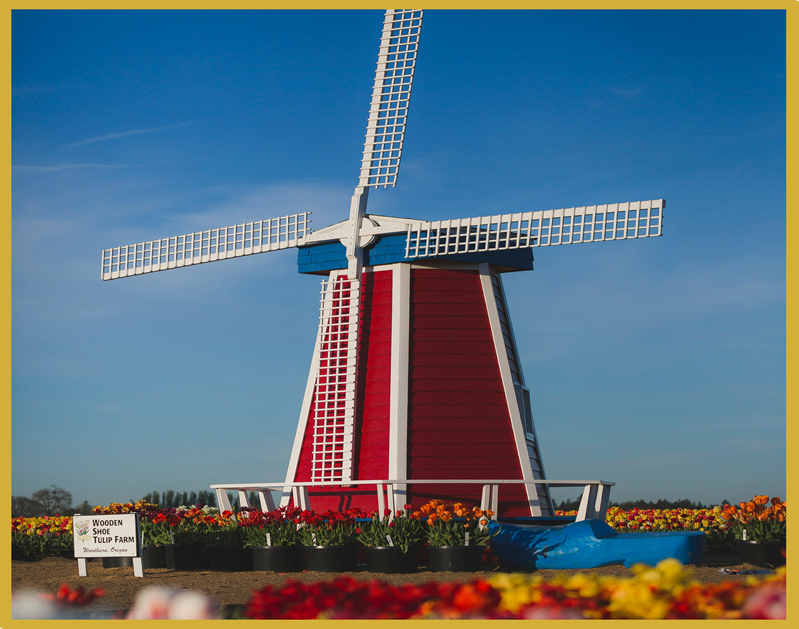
(665, 591)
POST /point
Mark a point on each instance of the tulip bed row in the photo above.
(663, 592)
(720, 539)
(34, 537)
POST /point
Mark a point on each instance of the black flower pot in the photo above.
(230, 557)
(186, 556)
(391, 559)
(153, 556)
(331, 558)
(117, 562)
(277, 558)
(763, 554)
(456, 558)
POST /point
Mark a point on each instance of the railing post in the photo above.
(222, 500)
(495, 501)
(587, 504)
(485, 498)
(390, 499)
(244, 501)
(265, 498)
(602, 500)
(381, 503)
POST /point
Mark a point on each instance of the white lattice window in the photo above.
(334, 401)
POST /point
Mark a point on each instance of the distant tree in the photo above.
(207, 497)
(169, 497)
(55, 500)
(84, 508)
(568, 505)
(682, 503)
(192, 498)
(22, 507)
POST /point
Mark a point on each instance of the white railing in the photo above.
(593, 505)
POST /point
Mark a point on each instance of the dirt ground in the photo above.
(230, 589)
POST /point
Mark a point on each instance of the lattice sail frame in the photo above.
(385, 131)
(335, 388)
(595, 223)
(205, 246)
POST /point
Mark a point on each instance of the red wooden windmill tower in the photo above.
(415, 373)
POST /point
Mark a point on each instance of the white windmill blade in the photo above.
(388, 114)
(543, 228)
(210, 245)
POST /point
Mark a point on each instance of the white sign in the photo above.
(113, 535)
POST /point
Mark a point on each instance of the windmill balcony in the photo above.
(390, 493)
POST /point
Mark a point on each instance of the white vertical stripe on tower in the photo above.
(400, 357)
(522, 392)
(517, 423)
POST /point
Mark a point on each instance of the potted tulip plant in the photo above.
(329, 539)
(456, 535)
(226, 544)
(154, 536)
(272, 538)
(760, 530)
(190, 530)
(392, 543)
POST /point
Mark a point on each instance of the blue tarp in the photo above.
(589, 544)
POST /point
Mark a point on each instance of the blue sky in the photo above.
(658, 364)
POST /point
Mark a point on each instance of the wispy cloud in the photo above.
(627, 92)
(27, 90)
(67, 166)
(125, 134)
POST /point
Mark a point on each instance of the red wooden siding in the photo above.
(370, 447)
(458, 420)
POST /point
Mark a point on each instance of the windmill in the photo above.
(415, 372)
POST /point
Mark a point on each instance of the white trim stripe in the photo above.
(400, 360)
(510, 391)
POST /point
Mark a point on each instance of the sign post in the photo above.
(111, 535)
